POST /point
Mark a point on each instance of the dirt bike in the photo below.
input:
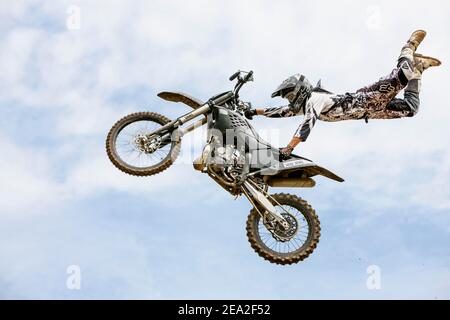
(281, 228)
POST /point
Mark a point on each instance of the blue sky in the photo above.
(177, 234)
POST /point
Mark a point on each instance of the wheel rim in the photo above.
(297, 241)
(133, 148)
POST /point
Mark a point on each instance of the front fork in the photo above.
(181, 120)
(253, 194)
(168, 129)
(167, 137)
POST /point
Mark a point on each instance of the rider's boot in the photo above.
(422, 62)
(411, 45)
(415, 39)
(406, 58)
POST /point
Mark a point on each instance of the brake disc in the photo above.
(144, 144)
(278, 232)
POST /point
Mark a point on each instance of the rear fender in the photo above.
(299, 168)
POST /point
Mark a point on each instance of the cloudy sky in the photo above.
(70, 69)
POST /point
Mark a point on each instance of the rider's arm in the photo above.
(314, 106)
(286, 151)
(304, 129)
(302, 132)
(276, 112)
(294, 142)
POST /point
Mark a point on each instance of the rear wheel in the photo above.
(285, 246)
(133, 151)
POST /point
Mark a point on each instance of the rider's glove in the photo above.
(285, 152)
(250, 113)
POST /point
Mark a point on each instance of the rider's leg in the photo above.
(409, 105)
(377, 101)
(405, 63)
(419, 64)
(411, 67)
(407, 75)
(406, 107)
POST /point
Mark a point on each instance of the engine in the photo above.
(222, 163)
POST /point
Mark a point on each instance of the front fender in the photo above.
(181, 97)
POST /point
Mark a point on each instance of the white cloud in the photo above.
(26, 182)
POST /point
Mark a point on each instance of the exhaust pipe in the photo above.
(279, 182)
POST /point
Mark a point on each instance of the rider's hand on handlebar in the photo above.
(249, 113)
(286, 152)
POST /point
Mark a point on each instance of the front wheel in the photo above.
(132, 149)
(285, 246)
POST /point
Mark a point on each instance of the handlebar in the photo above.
(223, 98)
(234, 75)
(241, 81)
(249, 76)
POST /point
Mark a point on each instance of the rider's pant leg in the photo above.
(410, 102)
(379, 103)
(371, 102)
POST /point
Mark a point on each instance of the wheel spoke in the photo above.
(292, 243)
(132, 153)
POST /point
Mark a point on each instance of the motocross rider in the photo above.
(376, 101)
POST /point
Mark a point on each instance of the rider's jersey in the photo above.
(318, 102)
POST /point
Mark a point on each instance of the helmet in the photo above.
(301, 88)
